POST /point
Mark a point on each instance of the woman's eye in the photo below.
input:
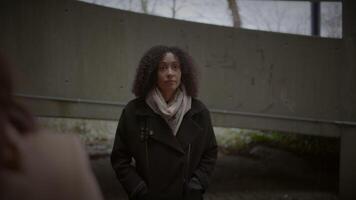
(175, 67)
(162, 67)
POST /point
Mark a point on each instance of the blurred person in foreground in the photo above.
(165, 147)
(36, 164)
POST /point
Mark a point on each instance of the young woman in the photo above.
(165, 147)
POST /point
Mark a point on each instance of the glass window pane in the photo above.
(331, 19)
(267, 15)
(276, 16)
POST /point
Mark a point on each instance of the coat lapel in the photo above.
(163, 134)
(188, 131)
(158, 128)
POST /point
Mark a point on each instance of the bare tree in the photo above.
(145, 4)
(174, 11)
(176, 7)
(234, 13)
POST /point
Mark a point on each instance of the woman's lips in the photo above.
(170, 82)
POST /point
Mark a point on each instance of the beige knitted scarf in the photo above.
(173, 111)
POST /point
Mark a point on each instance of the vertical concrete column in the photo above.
(347, 183)
(348, 164)
(348, 17)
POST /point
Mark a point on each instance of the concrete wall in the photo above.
(249, 79)
(348, 133)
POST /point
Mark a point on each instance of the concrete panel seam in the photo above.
(217, 111)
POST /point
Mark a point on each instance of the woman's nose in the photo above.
(170, 71)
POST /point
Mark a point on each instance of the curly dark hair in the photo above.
(146, 74)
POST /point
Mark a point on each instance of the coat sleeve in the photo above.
(121, 161)
(208, 160)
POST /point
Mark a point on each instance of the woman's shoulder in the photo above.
(135, 104)
(59, 159)
(50, 138)
(66, 147)
(198, 105)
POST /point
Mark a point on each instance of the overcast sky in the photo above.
(278, 16)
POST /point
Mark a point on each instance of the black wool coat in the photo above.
(152, 163)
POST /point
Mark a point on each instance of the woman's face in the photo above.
(169, 75)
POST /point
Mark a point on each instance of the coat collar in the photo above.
(188, 131)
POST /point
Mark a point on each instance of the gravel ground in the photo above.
(268, 174)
